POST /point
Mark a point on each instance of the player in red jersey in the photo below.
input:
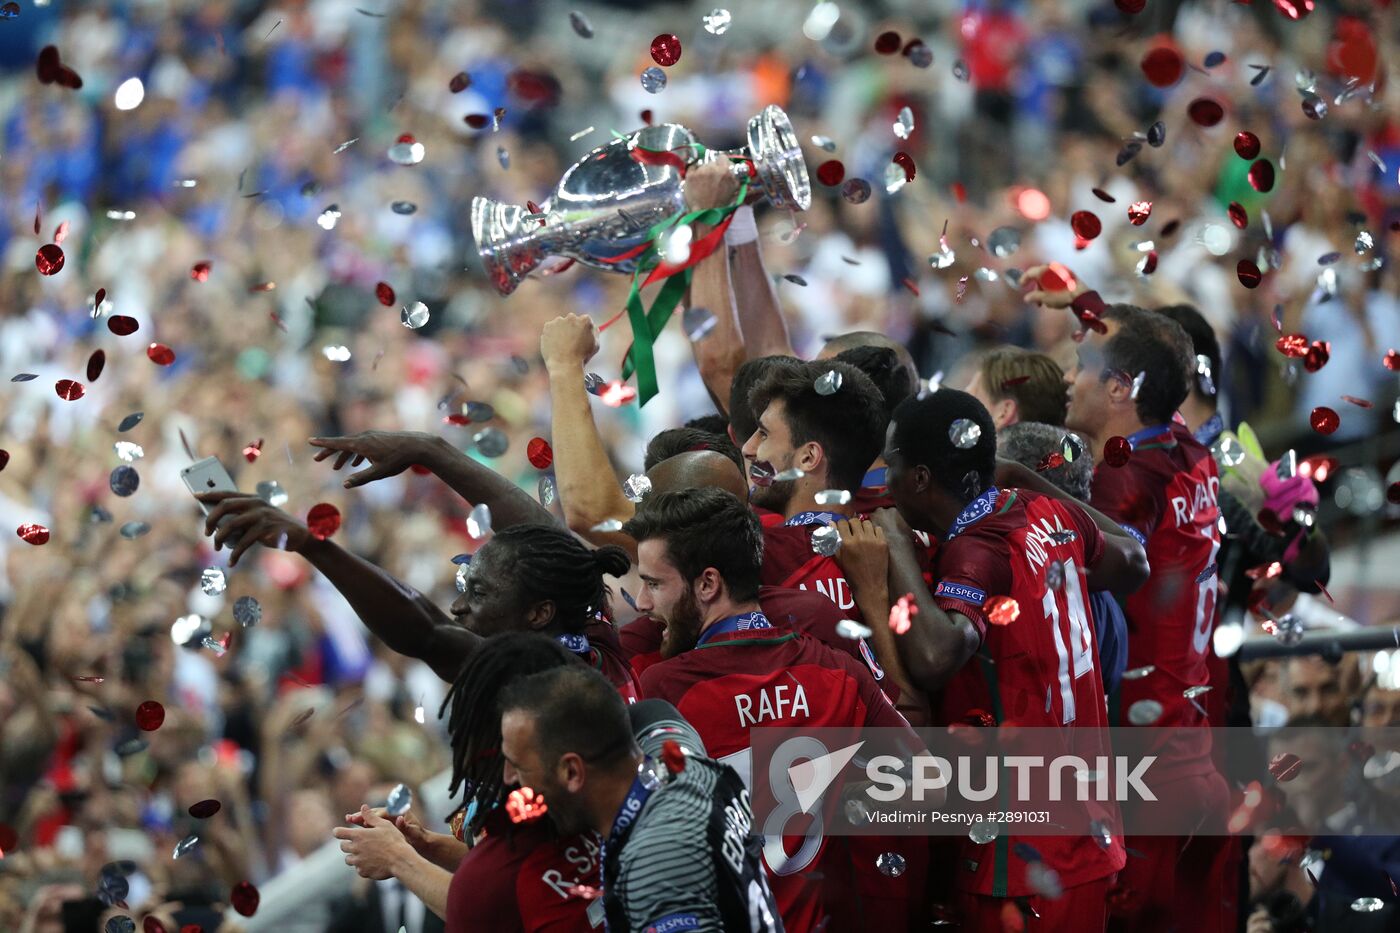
(1041, 670)
(1127, 386)
(728, 669)
(823, 421)
(515, 876)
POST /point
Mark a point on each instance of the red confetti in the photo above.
(205, 809)
(122, 326)
(1317, 356)
(1205, 111)
(253, 451)
(645, 116)
(33, 534)
(1321, 586)
(476, 120)
(524, 805)
(323, 520)
(460, 82)
(1238, 215)
(1392, 493)
(905, 161)
(60, 234)
(38, 213)
(617, 393)
(149, 716)
(1317, 467)
(673, 756)
(160, 354)
(585, 892)
(1014, 381)
(1294, 346)
(101, 297)
(1265, 571)
(46, 67)
(200, 271)
(49, 259)
(1002, 610)
(902, 612)
(385, 293)
(831, 172)
(68, 78)
(1163, 66)
(1104, 196)
(304, 715)
(1086, 224)
(961, 291)
(1050, 461)
(666, 49)
(9, 839)
(95, 364)
(263, 287)
(1116, 451)
(1324, 420)
(1249, 273)
(539, 453)
(1246, 145)
(887, 43)
(152, 925)
(69, 390)
(1392, 360)
(959, 192)
(1358, 402)
(1057, 278)
(1131, 7)
(244, 898)
(1012, 920)
(911, 285)
(1170, 227)
(4, 458)
(1261, 176)
(1294, 9)
(1149, 263)
(1138, 212)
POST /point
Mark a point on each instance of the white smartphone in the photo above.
(207, 475)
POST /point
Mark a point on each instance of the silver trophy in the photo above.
(606, 203)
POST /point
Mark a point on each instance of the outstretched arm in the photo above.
(392, 452)
(400, 616)
(760, 315)
(720, 351)
(589, 491)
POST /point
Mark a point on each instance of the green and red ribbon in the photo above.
(647, 323)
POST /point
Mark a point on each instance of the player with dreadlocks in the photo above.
(518, 874)
(530, 577)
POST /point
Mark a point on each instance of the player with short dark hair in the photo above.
(889, 365)
(673, 441)
(743, 418)
(1201, 408)
(1161, 485)
(730, 669)
(1013, 570)
(674, 857)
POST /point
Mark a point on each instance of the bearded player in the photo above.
(1159, 483)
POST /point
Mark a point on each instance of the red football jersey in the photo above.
(518, 878)
(874, 492)
(1166, 494)
(606, 655)
(1041, 668)
(805, 611)
(775, 677)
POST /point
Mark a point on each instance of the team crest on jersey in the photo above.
(870, 661)
(970, 594)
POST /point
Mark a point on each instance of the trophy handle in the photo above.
(506, 242)
(777, 157)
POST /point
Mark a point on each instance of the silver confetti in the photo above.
(329, 217)
(1003, 241)
(130, 421)
(983, 833)
(548, 492)
(464, 572)
(1055, 575)
(184, 846)
(404, 207)
(960, 71)
(653, 80)
(406, 153)
(212, 581)
(1138, 673)
(1314, 107)
(189, 629)
(1099, 830)
(824, 143)
(833, 497)
(581, 24)
(698, 322)
(1191, 693)
(345, 145)
(1045, 880)
(904, 123)
(1364, 242)
(856, 190)
(271, 492)
(942, 259)
(1204, 377)
(414, 316)
(580, 134)
(828, 383)
(247, 611)
(890, 864)
(124, 481)
(479, 521)
(214, 646)
(336, 353)
(121, 215)
(826, 541)
(1228, 451)
(607, 525)
(788, 475)
(852, 630)
(1367, 905)
(491, 442)
(1138, 380)
(400, 799)
(636, 487)
(964, 433)
(128, 452)
(593, 383)
(503, 157)
(133, 530)
(717, 21)
(895, 178)
(1144, 712)
(921, 56)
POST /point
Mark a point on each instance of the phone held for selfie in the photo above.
(207, 475)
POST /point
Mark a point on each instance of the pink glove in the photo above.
(1281, 496)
